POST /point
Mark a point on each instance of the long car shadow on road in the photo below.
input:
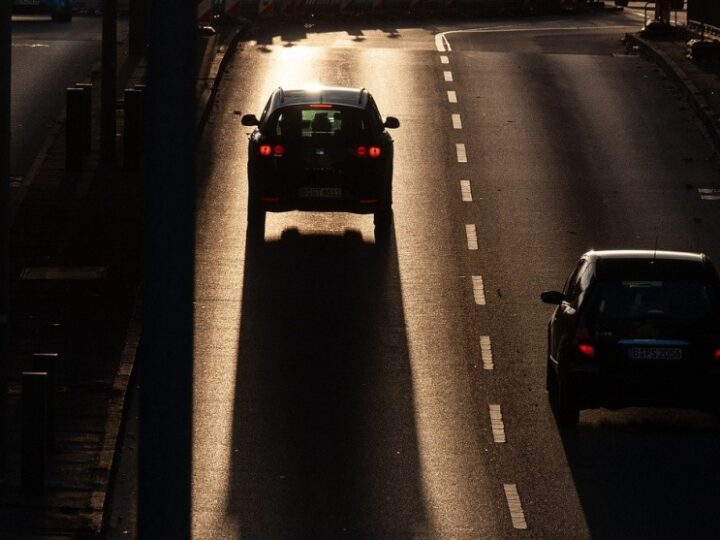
(324, 426)
(647, 473)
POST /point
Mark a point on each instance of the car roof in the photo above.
(648, 254)
(333, 95)
(648, 264)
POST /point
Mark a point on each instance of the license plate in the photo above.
(28, 2)
(655, 353)
(320, 193)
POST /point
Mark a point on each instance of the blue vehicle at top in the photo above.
(60, 10)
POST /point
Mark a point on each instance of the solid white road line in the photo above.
(496, 423)
(456, 121)
(486, 353)
(452, 96)
(444, 59)
(478, 290)
(461, 154)
(517, 515)
(448, 76)
(471, 233)
(466, 190)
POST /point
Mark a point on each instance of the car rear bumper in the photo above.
(593, 389)
(355, 206)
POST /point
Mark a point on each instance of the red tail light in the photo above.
(268, 150)
(587, 349)
(364, 151)
(717, 354)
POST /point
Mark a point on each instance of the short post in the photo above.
(34, 431)
(47, 363)
(74, 139)
(87, 114)
(133, 129)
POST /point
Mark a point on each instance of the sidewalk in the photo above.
(75, 243)
(699, 81)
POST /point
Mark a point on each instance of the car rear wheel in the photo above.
(383, 220)
(256, 222)
(567, 412)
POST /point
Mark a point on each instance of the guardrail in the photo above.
(271, 8)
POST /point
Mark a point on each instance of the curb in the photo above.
(692, 94)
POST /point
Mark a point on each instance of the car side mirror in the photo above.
(249, 120)
(553, 297)
(391, 122)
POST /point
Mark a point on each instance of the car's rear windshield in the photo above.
(674, 300)
(319, 121)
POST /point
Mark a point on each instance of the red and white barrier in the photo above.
(204, 12)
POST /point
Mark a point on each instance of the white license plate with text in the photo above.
(320, 192)
(655, 353)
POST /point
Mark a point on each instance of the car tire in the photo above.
(256, 222)
(567, 412)
(383, 220)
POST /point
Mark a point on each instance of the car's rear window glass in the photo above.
(673, 300)
(326, 121)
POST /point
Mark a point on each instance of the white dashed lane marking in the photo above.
(448, 76)
(466, 190)
(517, 515)
(486, 353)
(452, 96)
(709, 194)
(471, 233)
(444, 59)
(496, 423)
(461, 154)
(478, 290)
(456, 121)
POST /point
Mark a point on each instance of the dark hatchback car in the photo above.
(320, 149)
(635, 328)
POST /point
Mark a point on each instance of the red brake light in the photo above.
(268, 150)
(717, 354)
(320, 106)
(361, 151)
(587, 349)
(374, 151)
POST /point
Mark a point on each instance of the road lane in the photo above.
(343, 391)
(577, 146)
(47, 57)
(346, 402)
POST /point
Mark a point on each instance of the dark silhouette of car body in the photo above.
(320, 149)
(635, 328)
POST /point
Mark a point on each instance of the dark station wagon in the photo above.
(635, 328)
(320, 149)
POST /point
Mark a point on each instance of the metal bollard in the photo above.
(74, 137)
(87, 115)
(47, 363)
(34, 394)
(133, 129)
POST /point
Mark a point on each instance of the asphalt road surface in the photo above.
(47, 57)
(342, 391)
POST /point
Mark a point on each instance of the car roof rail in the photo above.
(282, 94)
(363, 89)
